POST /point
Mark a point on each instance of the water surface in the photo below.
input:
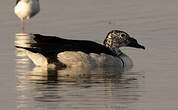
(150, 85)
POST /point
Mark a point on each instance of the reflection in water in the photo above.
(74, 88)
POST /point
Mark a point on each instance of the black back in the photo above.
(50, 46)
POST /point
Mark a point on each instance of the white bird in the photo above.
(61, 52)
(25, 9)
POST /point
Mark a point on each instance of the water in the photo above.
(149, 85)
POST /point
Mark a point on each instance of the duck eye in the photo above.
(123, 35)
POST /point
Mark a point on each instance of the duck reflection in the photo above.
(70, 88)
(55, 89)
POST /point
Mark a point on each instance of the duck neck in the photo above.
(117, 51)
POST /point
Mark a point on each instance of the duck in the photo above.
(63, 53)
(26, 9)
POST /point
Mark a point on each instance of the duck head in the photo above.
(117, 39)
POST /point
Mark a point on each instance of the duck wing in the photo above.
(56, 45)
(50, 46)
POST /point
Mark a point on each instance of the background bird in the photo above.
(25, 9)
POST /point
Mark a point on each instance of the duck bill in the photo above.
(133, 43)
(139, 46)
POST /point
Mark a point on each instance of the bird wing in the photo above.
(50, 46)
(53, 43)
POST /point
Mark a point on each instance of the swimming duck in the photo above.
(25, 9)
(46, 50)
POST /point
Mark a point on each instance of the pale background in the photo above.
(153, 22)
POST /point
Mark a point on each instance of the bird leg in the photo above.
(22, 25)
